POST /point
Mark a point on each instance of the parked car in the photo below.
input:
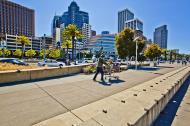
(51, 63)
(13, 61)
(61, 60)
(87, 60)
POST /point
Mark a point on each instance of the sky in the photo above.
(103, 16)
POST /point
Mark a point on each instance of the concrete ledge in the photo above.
(137, 106)
(41, 73)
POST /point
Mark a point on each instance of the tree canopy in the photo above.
(54, 53)
(23, 40)
(71, 33)
(30, 53)
(17, 53)
(153, 51)
(126, 44)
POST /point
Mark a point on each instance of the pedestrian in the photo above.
(99, 68)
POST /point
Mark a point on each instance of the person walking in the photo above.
(99, 68)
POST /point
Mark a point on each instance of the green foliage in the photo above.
(67, 44)
(153, 51)
(89, 69)
(17, 53)
(41, 54)
(1, 52)
(124, 42)
(70, 33)
(30, 53)
(141, 58)
(5, 51)
(141, 46)
(55, 53)
(126, 45)
(23, 40)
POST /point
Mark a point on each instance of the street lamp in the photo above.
(136, 38)
(44, 46)
(75, 41)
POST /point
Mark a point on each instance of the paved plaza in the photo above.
(30, 103)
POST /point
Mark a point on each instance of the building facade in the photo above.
(47, 42)
(107, 41)
(161, 36)
(72, 16)
(9, 42)
(124, 16)
(86, 31)
(16, 19)
(134, 24)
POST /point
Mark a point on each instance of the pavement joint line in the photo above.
(53, 98)
(68, 110)
(97, 121)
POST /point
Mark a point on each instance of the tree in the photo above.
(55, 53)
(1, 52)
(124, 42)
(23, 40)
(5, 51)
(165, 53)
(153, 51)
(30, 53)
(71, 33)
(68, 45)
(126, 46)
(17, 53)
(41, 54)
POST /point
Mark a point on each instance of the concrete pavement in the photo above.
(30, 103)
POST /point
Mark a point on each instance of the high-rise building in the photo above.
(16, 19)
(124, 16)
(105, 32)
(161, 36)
(107, 41)
(86, 31)
(73, 16)
(134, 24)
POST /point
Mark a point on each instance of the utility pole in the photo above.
(44, 47)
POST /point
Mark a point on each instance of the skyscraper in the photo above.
(16, 19)
(161, 36)
(134, 24)
(124, 16)
(73, 16)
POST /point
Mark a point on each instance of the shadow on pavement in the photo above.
(167, 116)
(111, 82)
(36, 80)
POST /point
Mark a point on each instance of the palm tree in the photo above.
(23, 40)
(71, 33)
(67, 44)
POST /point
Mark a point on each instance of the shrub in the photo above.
(89, 69)
(8, 66)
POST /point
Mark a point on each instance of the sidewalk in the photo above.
(30, 103)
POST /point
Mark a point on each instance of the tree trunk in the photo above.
(22, 51)
(73, 48)
(67, 53)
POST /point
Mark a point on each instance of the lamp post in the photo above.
(75, 41)
(136, 52)
(44, 46)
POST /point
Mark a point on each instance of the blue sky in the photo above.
(103, 16)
